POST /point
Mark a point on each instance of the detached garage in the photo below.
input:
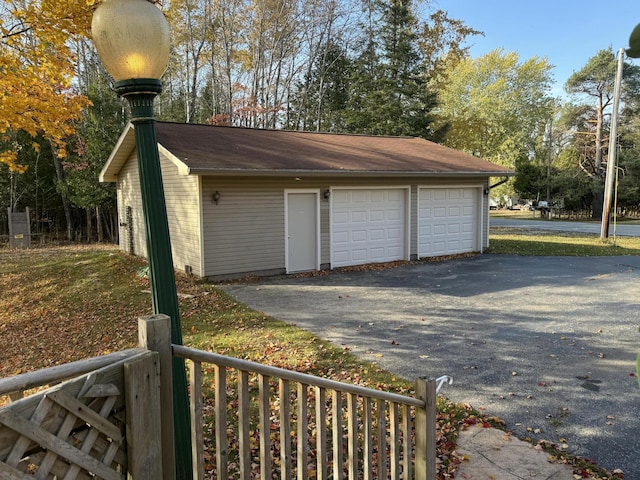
(248, 201)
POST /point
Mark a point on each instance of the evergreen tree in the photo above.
(97, 133)
(388, 92)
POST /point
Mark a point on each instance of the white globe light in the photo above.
(132, 39)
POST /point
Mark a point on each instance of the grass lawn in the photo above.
(515, 241)
(60, 304)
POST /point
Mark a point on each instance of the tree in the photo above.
(321, 98)
(497, 107)
(596, 79)
(97, 133)
(441, 41)
(37, 72)
(191, 30)
(34, 187)
(588, 116)
(388, 93)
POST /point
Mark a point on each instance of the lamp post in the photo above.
(132, 40)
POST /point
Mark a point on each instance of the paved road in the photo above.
(622, 230)
(547, 344)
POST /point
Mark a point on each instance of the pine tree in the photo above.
(388, 92)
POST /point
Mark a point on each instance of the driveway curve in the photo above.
(546, 343)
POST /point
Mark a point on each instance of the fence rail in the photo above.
(15, 386)
(292, 425)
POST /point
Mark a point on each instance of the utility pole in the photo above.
(613, 143)
(549, 145)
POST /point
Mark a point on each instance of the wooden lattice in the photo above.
(73, 431)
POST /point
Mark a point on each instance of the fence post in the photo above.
(144, 435)
(154, 333)
(425, 465)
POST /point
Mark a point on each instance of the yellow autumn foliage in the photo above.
(37, 67)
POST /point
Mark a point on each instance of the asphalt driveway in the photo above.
(546, 343)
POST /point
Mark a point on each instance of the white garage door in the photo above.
(447, 221)
(367, 226)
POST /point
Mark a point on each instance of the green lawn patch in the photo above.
(513, 241)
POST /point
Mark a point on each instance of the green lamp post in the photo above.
(132, 40)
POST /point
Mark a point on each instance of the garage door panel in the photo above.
(447, 222)
(341, 256)
(359, 236)
(377, 234)
(439, 229)
(359, 196)
(360, 254)
(375, 229)
(395, 215)
(359, 217)
(425, 230)
(439, 194)
(454, 194)
(341, 218)
(395, 234)
(469, 194)
(341, 237)
(377, 197)
(377, 216)
(440, 212)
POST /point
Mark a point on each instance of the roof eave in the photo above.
(345, 173)
(119, 155)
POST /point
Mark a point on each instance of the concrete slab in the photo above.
(491, 454)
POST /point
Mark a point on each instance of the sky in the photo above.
(565, 32)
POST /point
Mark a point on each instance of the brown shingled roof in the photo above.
(212, 149)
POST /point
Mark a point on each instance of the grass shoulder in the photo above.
(531, 242)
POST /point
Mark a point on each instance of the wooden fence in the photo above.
(292, 425)
(103, 424)
(248, 420)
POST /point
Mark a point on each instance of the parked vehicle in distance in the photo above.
(520, 205)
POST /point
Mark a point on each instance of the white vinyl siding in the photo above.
(245, 230)
(448, 221)
(128, 192)
(183, 213)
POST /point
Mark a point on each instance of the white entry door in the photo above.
(302, 239)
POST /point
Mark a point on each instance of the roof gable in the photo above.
(204, 149)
